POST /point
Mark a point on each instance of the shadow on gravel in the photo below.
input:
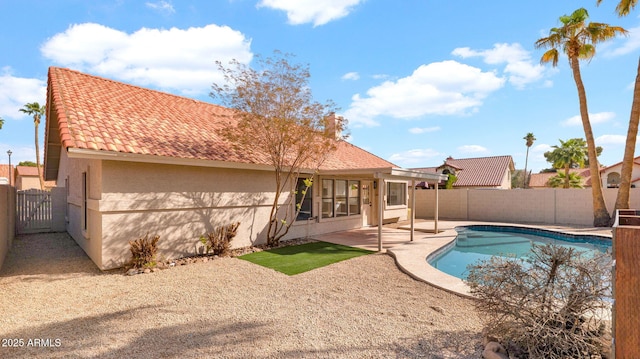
(115, 335)
(45, 256)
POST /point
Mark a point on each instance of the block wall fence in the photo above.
(548, 206)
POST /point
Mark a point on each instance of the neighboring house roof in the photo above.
(636, 161)
(27, 171)
(539, 180)
(92, 113)
(477, 172)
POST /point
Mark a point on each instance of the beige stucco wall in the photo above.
(7, 220)
(181, 203)
(70, 173)
(27, 182)
(548, 205)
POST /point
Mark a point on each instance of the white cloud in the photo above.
(611, 140)
(439, 88)
(181, 59)
(418, 130)
(472, 149)
(519, 66)
(161, 6)
(594, 118)
(630, 45)
(351, 76)
(318, 12)
(15, 92)
(416, 157)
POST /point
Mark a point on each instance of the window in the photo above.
(396, 194)
(340, 198)
(304, 198)
(327, 198)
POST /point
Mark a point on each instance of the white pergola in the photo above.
(411, 176)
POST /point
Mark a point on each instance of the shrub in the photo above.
(550, 306)
(143, 252)
(218, 242)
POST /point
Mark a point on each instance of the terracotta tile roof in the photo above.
(27, 171)
(476, 172)
(539, 180)
(99, 114)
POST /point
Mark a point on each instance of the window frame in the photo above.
(402, 195)
(308, 201)
(338, 200)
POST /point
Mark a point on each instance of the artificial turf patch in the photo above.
(301, 258)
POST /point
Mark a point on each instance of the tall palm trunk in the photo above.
(36, 122)
(601, 217)
(567, 182)
(526, 161)
(622, 200)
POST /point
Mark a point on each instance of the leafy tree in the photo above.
(34, 109)
(27, 164)
(570, 154)
(278, 117)
(577, 40)
(560, 180)
(623, 8)
(529, 138)
(1, 122)
(451, 179)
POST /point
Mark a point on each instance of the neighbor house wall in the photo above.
(27, 182)
(548, 205)
(7, 220)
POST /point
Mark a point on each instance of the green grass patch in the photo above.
(301, 258)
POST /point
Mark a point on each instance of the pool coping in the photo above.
(411, 257)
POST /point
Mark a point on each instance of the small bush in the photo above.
(550, 306)
(143, 252)
(218, 242)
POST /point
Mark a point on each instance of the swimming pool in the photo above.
(480, 242)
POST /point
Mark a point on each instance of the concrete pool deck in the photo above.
(411, 256)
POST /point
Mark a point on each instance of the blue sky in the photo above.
(418, 80)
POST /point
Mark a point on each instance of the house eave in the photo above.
(134, 157)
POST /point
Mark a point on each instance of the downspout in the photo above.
(435, 222)
(413, 207)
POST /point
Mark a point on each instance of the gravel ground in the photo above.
(55, 303)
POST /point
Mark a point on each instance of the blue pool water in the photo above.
(475, 243)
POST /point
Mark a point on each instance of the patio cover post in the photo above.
(413, 207)
(435, 221)
(380, 212)
(402, 175)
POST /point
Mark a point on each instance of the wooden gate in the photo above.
(33, 211)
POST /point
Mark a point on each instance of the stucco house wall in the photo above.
(610, 176)
(127, 200)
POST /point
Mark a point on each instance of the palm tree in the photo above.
(577, 40)
(1, 122)
(37, 112)
(624, 6)
(569, 154)
(622, 200)
(575, 181)
(529, 138)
